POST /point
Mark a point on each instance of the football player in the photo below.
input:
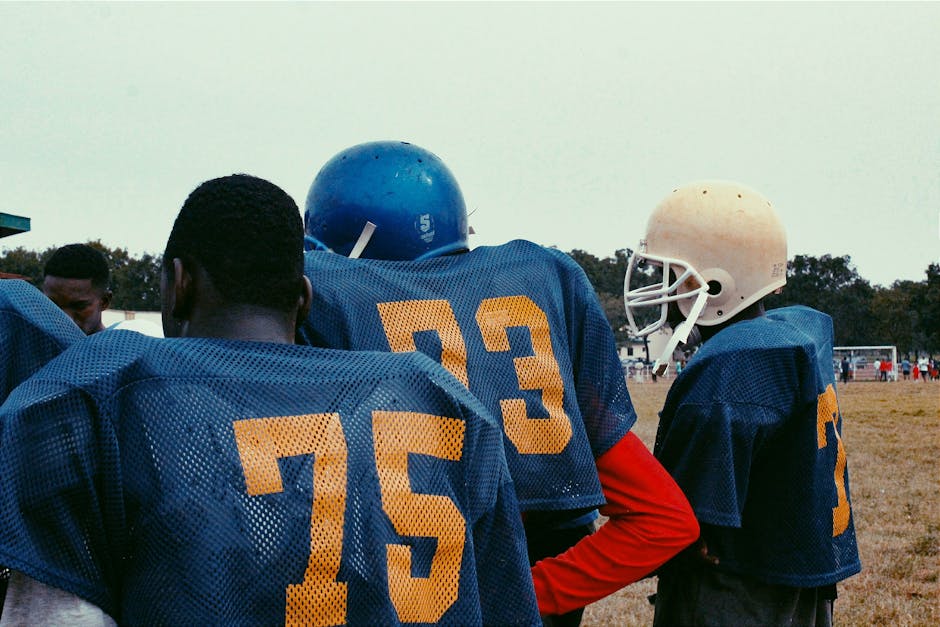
(76, 279)
(32, 331)
(521, 327)
(751, 428)
(227, 476)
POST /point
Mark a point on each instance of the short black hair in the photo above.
(79, 261)
(247, 234)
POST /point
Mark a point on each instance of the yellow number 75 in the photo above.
(320, 599)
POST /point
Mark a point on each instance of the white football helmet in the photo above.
(721, 247)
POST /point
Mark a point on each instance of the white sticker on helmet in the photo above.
(363, 240)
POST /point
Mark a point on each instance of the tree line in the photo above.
(905, 314)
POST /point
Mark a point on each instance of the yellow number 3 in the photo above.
(827, 412)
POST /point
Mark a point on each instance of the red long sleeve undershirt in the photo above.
(650, 520)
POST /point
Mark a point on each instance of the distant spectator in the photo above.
(845, 365)
(877, 369)
(76, 278)
(906, 368)
(886, 367)
(924, 366)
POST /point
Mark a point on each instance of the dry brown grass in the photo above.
(892, 437)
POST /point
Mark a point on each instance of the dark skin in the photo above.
(192, 307)
(754, 311)
(81, 300)
(699, 550)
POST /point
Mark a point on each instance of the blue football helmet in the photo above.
(386, 200)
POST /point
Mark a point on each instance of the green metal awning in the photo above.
(11, 225)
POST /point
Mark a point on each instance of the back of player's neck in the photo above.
(749, 313)
(247, 323)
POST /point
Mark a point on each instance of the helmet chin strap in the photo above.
(695, 338)
(363, 240)
(680, 334)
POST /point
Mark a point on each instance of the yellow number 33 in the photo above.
(539, 371)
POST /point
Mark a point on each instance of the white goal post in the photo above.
(862, 360)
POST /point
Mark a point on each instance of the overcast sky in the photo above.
(564, 123)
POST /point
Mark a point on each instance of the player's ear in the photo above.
(183, 288)
(303, 301)
(106, 299)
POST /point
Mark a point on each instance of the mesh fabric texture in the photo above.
(33, 330)
(520, 325)
(751, 432)
(188, 481)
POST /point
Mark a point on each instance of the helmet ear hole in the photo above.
(721, 289)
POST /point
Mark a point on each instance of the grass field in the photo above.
(892, 438)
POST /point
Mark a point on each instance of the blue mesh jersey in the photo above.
(198, 481)
(751, 432)
(520, 325)
(33, 330)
